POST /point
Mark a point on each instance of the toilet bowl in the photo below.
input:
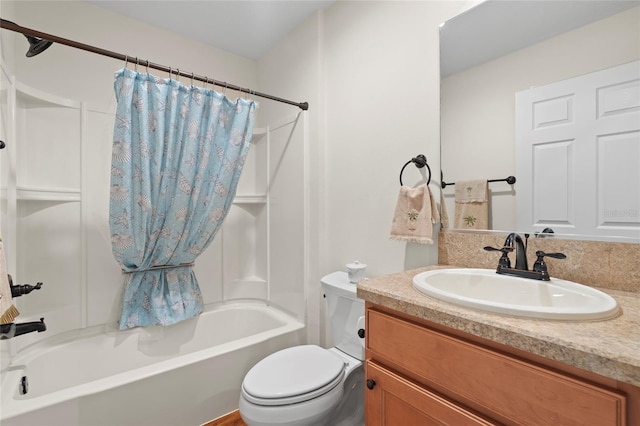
(309, 385)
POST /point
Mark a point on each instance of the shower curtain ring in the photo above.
(147, 66)
(137, 62)
(178, 75)
(126, 59)
(191, 79)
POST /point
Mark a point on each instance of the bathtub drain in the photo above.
(23, 387)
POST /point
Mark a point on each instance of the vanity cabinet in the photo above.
(396, 400)
(421, 373)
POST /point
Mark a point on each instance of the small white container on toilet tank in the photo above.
(356, 271)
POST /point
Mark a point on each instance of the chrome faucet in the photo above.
(515, 242)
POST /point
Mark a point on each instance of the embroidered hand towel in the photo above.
(8, 312)
(472, 205)
(415, 214)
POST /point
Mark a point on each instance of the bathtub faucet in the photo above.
(7, 331)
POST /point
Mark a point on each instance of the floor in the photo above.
(231, 419)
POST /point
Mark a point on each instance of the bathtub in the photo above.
(185, 374)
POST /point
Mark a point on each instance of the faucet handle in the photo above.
(504, 261)
(19, 290)
(541, 266)
(505, 249)
(542, 254)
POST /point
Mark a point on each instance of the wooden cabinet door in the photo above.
(393, 400)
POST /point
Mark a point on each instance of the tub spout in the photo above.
(7, 331)
(30, 327)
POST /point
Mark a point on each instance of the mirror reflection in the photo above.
(491, 55)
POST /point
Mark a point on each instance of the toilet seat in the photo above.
(293, 375)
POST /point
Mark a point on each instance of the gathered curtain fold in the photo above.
(178, 152)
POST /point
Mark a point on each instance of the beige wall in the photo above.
(375, 74)
(370, 71)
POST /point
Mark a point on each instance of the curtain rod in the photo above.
(12, 26)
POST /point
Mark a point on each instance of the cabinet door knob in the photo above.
(361, 333)
(371, 383)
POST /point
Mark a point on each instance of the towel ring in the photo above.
(420, 161)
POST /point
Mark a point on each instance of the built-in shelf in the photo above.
(258, 133)
(251, 287)
(30, 193)
(34, 98)
(250, 199)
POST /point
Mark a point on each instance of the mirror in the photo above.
(499, 48)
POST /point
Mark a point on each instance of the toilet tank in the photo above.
(345, 313)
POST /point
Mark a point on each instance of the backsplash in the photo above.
(601, 264)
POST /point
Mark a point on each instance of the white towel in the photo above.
(415, 214)
(472, 205)
(8, 312)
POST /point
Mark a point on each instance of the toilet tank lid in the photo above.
(339, 283)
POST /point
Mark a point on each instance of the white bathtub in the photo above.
(185, 374)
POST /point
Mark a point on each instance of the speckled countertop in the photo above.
(610, 348)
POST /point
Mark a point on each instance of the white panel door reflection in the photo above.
(578, 154)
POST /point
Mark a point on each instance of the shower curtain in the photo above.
(177, 155)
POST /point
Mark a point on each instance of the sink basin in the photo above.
(502, 294)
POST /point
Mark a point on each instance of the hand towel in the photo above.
(415, 214)
(8, 312)
(444, 214)
(472, 204)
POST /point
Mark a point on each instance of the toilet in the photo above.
(309, 385)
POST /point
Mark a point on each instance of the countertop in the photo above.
(610, 348)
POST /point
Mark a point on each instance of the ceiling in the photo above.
(478, 35)
(248, 28)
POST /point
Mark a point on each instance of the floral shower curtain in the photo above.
(178, 152)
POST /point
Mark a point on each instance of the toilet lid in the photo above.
(294, 374)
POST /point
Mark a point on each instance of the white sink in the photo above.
(523, 297)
